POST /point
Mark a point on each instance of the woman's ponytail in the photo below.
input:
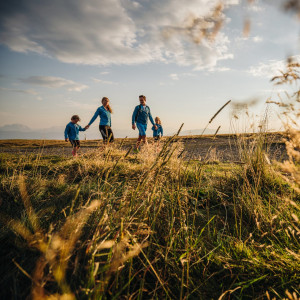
(107, 106)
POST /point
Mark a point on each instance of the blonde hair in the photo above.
(108, 106)
(75, 117)
(157, 120)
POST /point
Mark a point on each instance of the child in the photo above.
(104, 112)
(157, 133)
(140, 117)
(72, 132)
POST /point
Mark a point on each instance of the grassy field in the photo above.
(224, 147)
(153, 225)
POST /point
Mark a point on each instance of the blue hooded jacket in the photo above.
(72, 131)
(105, 116)
(158, 131)
(141, 115)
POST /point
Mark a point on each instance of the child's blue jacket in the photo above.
(141, 115)
(72, 131)
(105, 116)
(158, 131)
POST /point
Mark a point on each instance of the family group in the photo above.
(140, 117)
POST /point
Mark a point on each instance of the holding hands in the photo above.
(87, 127)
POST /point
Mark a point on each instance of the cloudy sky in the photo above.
(60, 57)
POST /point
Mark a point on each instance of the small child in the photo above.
(158, 132)
(72, 132)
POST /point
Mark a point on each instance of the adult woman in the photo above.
(104, 112)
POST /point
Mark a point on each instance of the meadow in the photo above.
(154, 225)
(209, 217)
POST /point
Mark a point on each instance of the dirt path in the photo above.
(221, 148)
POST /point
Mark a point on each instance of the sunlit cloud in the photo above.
(271, 68)
(55, 82)
(22, 91)
(29, 92)
(105, 32)
(267, 70)
(104, 81)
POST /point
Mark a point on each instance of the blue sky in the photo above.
(59, 58)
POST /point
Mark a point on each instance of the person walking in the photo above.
(72, 133)
(159, 132)
(140, 117)
(104, 112)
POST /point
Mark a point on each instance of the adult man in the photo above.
(140, 117)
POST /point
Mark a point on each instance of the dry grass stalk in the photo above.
(214, 116)
(246, 29)
(293, 5)
(55, 248)
(199, 28)
(217, 131)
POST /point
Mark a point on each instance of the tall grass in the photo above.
(117, 225)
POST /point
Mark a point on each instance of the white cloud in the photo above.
(104, 81)
(22, 91)
(102, 32)
(55, 82)
(267, 70)
(30, 91)
(270, 69)
(257, 39)
(219, 69)
(174, 76)
(255, 8)
(276, 89)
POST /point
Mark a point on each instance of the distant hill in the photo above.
(197, 132)
(20, 131)
(15, 127)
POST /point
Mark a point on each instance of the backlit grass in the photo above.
(116, 225)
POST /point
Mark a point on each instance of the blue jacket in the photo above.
(105, 116)
(141, 115)
(72, 131)
(159, 130)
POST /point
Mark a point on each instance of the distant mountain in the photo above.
(20, 131)
(196, 132)
(15, 127)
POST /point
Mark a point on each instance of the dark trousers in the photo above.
(106, 133)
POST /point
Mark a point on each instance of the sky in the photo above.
(60, 57)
